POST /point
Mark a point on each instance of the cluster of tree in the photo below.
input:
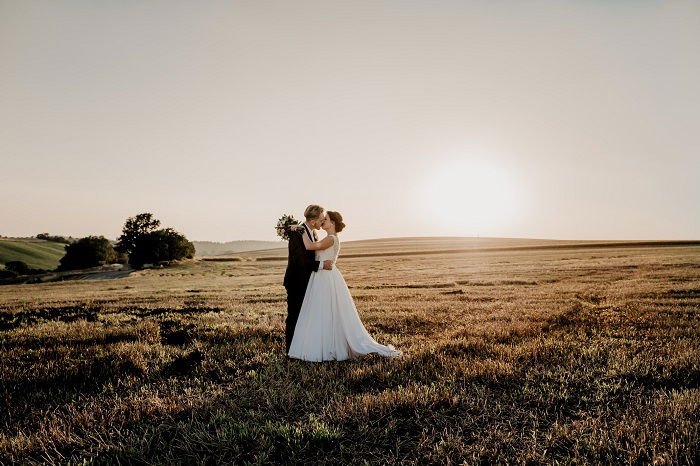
(7, 274)
(15, 268)
(141, 242)
(90, 251)
(55, 239)
(145, 244)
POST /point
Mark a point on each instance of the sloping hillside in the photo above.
(390, 246)
(37, 254)
(440, 245)
(212, 248)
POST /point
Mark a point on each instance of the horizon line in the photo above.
(9, 238)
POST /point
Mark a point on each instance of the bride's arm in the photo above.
(325, 243)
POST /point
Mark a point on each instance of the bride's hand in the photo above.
(295, 227)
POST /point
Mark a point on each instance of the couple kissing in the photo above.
(322, 321)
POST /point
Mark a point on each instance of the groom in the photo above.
(300, 264)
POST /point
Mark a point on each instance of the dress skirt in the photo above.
(329, 327)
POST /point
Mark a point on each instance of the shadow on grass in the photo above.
(13, 320)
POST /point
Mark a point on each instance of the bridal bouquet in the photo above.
(285, 225)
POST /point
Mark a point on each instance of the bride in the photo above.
(329, 327)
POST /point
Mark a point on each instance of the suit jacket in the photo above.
(300, 263)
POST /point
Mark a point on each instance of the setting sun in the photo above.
(470, 197)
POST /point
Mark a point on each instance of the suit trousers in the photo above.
(295, 298)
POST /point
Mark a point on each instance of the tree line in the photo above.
(140, 243)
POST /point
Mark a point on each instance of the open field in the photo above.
(407, 244)
(528, 356)
(213, 248)
(37, 254)
(443, 245)
(427, 244)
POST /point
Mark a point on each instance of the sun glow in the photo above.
(469, 198)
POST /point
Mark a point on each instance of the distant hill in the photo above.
(212, 248)
(390, 247)
(38, 254)
(422, 243)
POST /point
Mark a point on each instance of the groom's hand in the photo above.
(327, 265)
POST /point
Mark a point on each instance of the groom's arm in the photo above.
(297, 253)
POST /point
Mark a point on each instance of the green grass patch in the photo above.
(38, 255)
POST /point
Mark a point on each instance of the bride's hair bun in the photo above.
(337, 220)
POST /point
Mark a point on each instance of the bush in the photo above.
(160, 246)
(19, 267)
(55, 239)
(7, 274)
(90, 251)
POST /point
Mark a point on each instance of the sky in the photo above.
(533, 119)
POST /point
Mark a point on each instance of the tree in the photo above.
(55, 239)
(135, 228)
(90, 251)
(7, 274)
(160, 246)
(178, 245)
(19, 267)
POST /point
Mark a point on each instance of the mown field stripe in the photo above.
(45, 255)
(644, 244)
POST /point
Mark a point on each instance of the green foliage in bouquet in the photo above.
(284, 225)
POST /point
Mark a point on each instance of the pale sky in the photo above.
(542, 119)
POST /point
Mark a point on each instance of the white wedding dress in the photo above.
(329, 327)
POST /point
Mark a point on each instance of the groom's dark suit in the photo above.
(300, 264)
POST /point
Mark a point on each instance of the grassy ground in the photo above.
(426, 244)
(36, 254)
(527, 357)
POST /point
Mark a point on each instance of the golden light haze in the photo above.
(546, 119)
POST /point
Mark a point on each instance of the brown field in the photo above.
(528, 356)
(432, 245)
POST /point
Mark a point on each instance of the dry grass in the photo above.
(523, 357)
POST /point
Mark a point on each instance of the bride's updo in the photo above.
(337, 220)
